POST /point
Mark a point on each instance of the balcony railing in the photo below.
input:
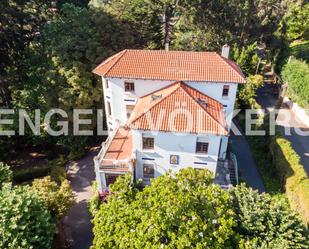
(115, 165)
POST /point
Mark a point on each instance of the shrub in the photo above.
(58, 172)
(5, 174)
(24, 220)
(174, 212)
(296, 74)
(297, 22)
(264, 221)
(291, 175)
(94, 203)
(27, 174)
(58, 199)
(246, 58)
(247, 92)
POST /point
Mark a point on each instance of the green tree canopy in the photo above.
(24, 220)
(185, 211)
(267, 222)
(298, 22)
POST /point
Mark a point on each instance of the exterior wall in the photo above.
(181, 144)
(118, 98)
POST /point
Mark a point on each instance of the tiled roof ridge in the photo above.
(155, 104)
(205, 110)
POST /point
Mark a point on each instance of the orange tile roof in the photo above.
(120, 148)
(171, 65)
(179, 108)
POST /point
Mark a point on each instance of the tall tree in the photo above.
(210, 24)
(186, 211)
(20, 23)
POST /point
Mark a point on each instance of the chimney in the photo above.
(225, 51)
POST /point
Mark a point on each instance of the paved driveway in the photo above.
(246, 163)
(300, 143)
(77, 224)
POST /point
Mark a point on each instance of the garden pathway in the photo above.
(77, 224)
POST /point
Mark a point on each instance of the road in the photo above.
(299, 142)
(246, 163)
(77, 224)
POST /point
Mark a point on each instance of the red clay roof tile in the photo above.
(179, 108)
(171, 65)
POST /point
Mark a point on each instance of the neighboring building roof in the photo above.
(171, 65)
(179, 108)
(120, 148)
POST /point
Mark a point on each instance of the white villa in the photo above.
(165, 110)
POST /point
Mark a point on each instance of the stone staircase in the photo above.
(232, 172)
(269, 74)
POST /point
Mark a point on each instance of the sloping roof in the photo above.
(171, 65)
(179, 108)
(120, 147)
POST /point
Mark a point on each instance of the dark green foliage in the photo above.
(210, 24)
(246, 58)
(296, 74)
(185, 211)
(297, 22)
(300, 50)
(5, 174)
(264, 221)
(247, 92)
(141, 18)
(24, 220)
(29, 173)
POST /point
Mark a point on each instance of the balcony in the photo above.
(115, 155)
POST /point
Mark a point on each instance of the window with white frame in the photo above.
(225, 91)
(129, 86)
(202, 145)
(129, 109)
(148, 142)
(148, 171)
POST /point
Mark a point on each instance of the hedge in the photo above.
(280, 168)
(291, 175)
(296, 74)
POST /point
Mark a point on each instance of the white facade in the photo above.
(119, 104)
(117, 97)
(167, 144)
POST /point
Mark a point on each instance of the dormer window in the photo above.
(129, 86)
(225, 92)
